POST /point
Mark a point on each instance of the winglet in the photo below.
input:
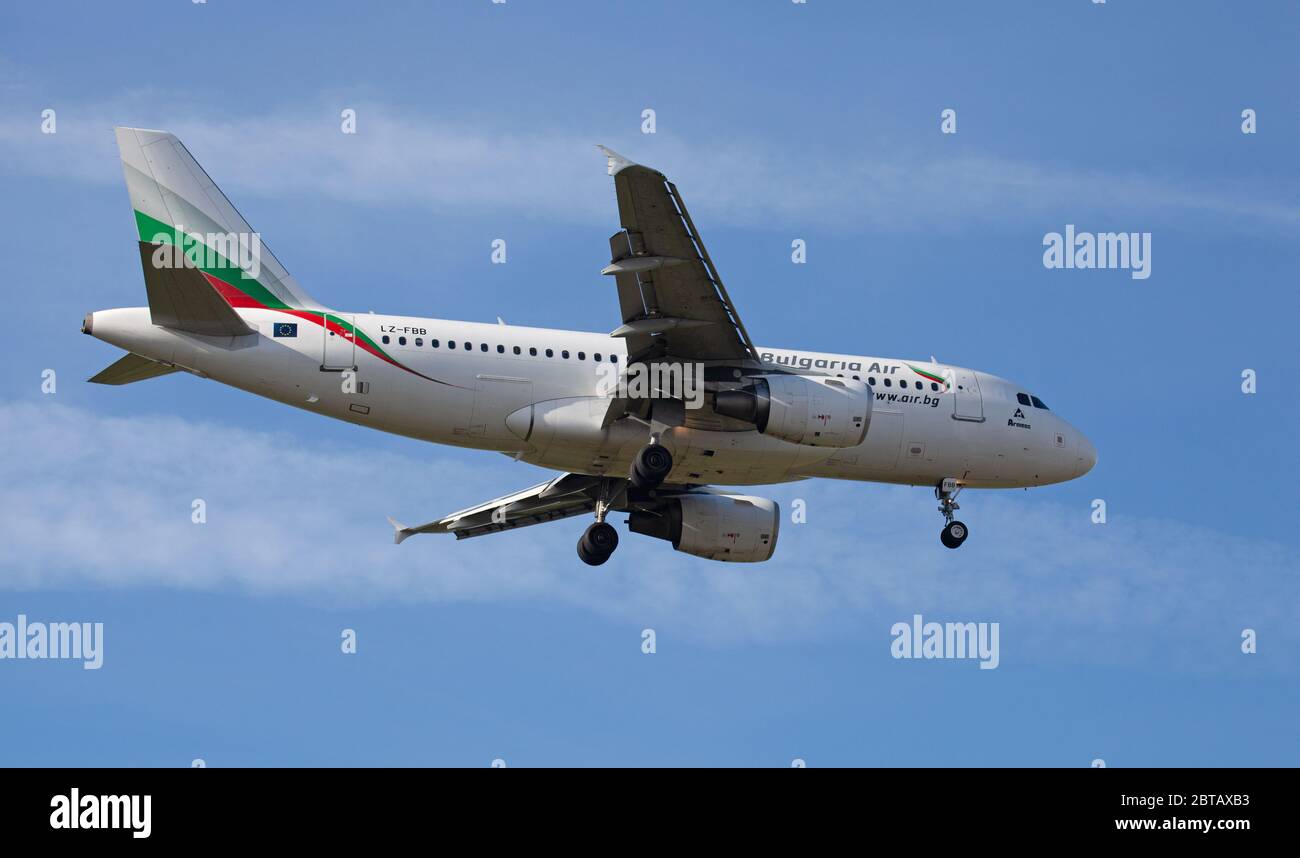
(616, 161)
(400, 531)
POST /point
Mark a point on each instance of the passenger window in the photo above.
(855, 378)
(550, 353)
(565, 354)
(613, 358)
(582, 355)
(1023, 399)
(451, 344)
(888, 383)
(433, 343)
(419, 341)
(516, 349)
(533, 352)
(934, 386)
(1038, 403)
(469, 346)
(401, 341)
(482, 347)
(501, 350)
(902, 383)
(596, 356)
(871, 380)
(385, 339)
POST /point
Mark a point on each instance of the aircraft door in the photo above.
(968, 404)
(339, 349)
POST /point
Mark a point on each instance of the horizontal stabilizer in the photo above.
(181, 298)
(400, 531)
(131, 368)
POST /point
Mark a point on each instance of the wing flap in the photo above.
(566, 495)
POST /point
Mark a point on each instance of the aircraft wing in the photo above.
(566, 495)
(673, 302)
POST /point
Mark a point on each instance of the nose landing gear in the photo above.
(954, 533)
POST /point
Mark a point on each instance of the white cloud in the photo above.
(453, 165)
(96, 501)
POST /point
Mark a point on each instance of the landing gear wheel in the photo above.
(598, 543)
(954, 534)
(601, 538)
(651, 466)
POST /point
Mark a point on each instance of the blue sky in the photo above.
(777, 121)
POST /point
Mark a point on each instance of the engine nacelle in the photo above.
(731, 528)
(814, 410)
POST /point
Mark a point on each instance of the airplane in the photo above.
(648, 420)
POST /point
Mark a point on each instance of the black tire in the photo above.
(651, 466)
(597, 543)
(589, 558)
(954, 534)
(601, 538)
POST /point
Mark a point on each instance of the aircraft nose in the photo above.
(1087, 456)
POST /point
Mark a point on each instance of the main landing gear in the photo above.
(598, 543)
(954, 533)
(651, 465)
(650, 468)
(600, 539)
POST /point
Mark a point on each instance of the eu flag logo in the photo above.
(286, 329)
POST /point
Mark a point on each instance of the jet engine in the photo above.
(814, 410)
(731, 528)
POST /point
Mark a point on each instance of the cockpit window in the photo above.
(1038, 403)
(1023, 399)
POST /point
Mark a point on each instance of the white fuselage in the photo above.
(504, 388)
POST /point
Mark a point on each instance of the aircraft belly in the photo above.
(705, 457)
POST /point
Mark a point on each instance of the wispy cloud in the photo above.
(105, 501)
(455, 164)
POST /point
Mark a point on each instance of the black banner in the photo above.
(209, 806)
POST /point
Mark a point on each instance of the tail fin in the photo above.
(175, 202)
